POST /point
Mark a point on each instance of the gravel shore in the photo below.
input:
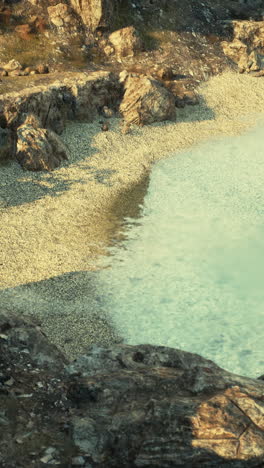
(54, 226)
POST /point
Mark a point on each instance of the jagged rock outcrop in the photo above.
(129, 406)
(38, 149)
(94, 13)
(247, 47)
(76, 96)
(126, 41)
(145, 100)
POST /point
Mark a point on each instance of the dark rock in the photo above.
(105, 127)
(6, 144)
(12, 65)
(122, 406)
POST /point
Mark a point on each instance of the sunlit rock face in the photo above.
(94, 13)
(191, 272)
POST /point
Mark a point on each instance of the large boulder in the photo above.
(247, 46)
(126, 41)
(145, 100)
(37, 148)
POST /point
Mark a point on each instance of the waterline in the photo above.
(191, 273)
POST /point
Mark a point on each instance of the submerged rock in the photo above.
(129, 406)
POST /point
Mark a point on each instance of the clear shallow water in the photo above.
(191, 272)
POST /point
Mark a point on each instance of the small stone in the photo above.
(107, 112)
(3, 337)
(78, 461)
(50, 450)
(42, 69)
(19, 441)
(4, 73)
(105, 127)
(108, 50)
(13, 65)
(15, 73)
(10, 382)
(46, 459)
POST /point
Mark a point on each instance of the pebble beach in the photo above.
(55, 226)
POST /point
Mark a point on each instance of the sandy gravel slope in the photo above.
(54, 225)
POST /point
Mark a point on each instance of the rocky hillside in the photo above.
(184, 35)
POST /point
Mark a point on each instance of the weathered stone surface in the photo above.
(77, 96)
(62, 17)
(24, 30)
(12, 65)
(6, 146)
(156, 406)
(126, 41)
(20, 333)
(42, 69)
(94, 13)
(145, 100)
(247, 47)
(37, 148)
(122, 406)
(183, 95)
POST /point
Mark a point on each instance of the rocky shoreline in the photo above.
(57, 224)
(122, 406)
(75, 157)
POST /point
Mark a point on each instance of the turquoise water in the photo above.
(191, 273)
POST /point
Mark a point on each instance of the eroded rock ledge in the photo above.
(129, 406)
(77, 96)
